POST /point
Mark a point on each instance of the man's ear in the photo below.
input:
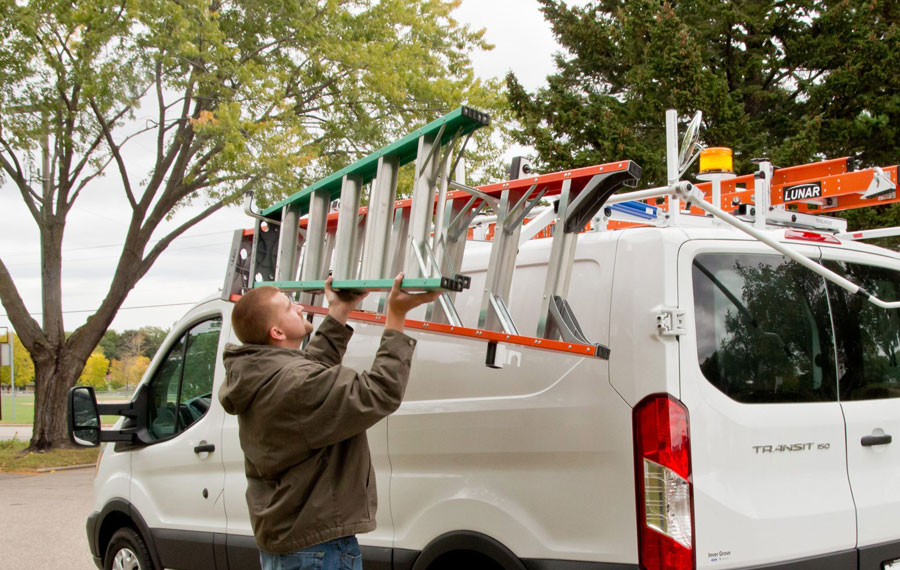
(276, 333)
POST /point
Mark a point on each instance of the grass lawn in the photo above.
(25, 409)
(12, 460)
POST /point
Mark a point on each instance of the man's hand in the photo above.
(400, 302)
(341, 303)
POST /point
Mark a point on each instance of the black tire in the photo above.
(127, 551)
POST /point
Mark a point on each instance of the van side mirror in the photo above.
(83, 417)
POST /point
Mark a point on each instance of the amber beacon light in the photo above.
(715, 160)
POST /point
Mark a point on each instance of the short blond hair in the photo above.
(255, 314)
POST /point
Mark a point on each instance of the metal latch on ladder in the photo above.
(671, 321)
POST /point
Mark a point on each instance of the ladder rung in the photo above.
(463, 119)
(457, 283)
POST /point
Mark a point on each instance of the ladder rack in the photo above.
(798, 196)
(425, 236)
(297, 240)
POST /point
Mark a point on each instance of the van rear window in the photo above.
(868, 337)
(763, 329)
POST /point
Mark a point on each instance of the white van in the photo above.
(743, 419)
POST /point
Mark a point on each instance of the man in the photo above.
(303, 418)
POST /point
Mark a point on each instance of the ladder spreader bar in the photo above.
(477, 334)
(463, 119)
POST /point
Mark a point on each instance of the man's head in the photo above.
(265, 315)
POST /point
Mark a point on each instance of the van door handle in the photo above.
(870, 440)
(208, 447)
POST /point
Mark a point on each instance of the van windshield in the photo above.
(763, 329)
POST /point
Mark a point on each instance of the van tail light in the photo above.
(665, 495)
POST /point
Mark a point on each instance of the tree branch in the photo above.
(28, 329)
(29, 196)
(162, 244)
(100, 170)
(123, 172)
(161, 137)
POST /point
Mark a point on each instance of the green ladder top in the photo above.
(464, 119)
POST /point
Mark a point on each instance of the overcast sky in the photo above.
(193, 267)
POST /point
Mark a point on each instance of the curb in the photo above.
(65, 468)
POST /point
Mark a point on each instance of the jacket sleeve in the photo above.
(329, 342)
(342, 403)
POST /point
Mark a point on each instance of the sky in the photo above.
(193, 267)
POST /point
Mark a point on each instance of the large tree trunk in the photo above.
(54, 373)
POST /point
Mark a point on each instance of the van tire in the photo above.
(127, 551)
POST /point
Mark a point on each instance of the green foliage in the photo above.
(144, 341)
(273, 93)
(94, 373)
(22, 363)
(794, 81)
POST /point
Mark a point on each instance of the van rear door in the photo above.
(758, 378)
(868, 345)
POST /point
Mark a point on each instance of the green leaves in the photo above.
(278, 93)
(794, 81)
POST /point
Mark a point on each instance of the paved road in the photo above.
(22, 433)
(42, 520)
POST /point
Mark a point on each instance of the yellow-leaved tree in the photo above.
(95, 369)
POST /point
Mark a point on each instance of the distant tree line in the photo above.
(118, 362)
(121, 359)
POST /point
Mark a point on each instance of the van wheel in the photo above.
(127, 551)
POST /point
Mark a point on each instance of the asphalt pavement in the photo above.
(42, 520)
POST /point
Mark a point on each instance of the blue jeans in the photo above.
(338, 554)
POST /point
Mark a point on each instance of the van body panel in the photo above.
(769, 479)
(538, 454)
(874, 470)
(172, 486)
(523, 454)
(643, 362)
(113, 478)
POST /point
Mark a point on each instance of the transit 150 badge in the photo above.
(797, 192)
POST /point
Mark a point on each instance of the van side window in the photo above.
(181, 388)
(763, 329)
(868, 337)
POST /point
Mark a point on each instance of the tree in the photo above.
(127, 372)
(109, 344)
(113, 344)
(794, 81)
(95, 369)
(245, 95)
(23, 365)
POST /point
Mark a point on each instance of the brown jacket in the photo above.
(302, 420)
